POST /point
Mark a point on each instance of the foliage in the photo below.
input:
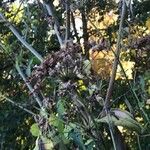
(59, 100)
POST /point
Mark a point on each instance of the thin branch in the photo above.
(19, 37)
(97, 30)
(111, 129)
(28, 85)
(85, 33)
(18, 105)
(138, 141)
(67, 21)
(50, 9)
(145, 135)
(18, 10)
(117, 54)
(115, 135)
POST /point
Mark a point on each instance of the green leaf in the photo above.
(87, 67)
(64, 139)
(48, 144)
(35, 131)
(43, 142)
(58, 123)
(89, 144)
(76, 136)
(36, 144)
(71, 132)
(92, 89)
(60, 108)
(43, 112)
(68, 129)
(122, 118)
(28, 70)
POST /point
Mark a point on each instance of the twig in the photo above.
(18, 105)
(23, 41)
(138, 141)
(18, 10)
(97, 30)
(145, 135)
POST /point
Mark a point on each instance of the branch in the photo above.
(19, 37)
(50, 9)
(18, 105)
(85, 29)
(114, 130)
(67, 22)
(18, 10)
(117, 54)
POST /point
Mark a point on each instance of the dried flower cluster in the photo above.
(71, 72)
(142, 53)
(65, 64)
(142, 43)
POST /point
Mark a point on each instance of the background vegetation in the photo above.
(75, 74)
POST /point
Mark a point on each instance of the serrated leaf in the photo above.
(56, 139)
(35, 131)
(53, 120)
(71, 132)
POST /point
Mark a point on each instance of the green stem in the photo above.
(20, 38)
(18, 105)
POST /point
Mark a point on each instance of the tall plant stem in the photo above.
(113, 130)
(117, 54)
(67, 34)
(85, 29)
(20, 38)
(18, 105)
